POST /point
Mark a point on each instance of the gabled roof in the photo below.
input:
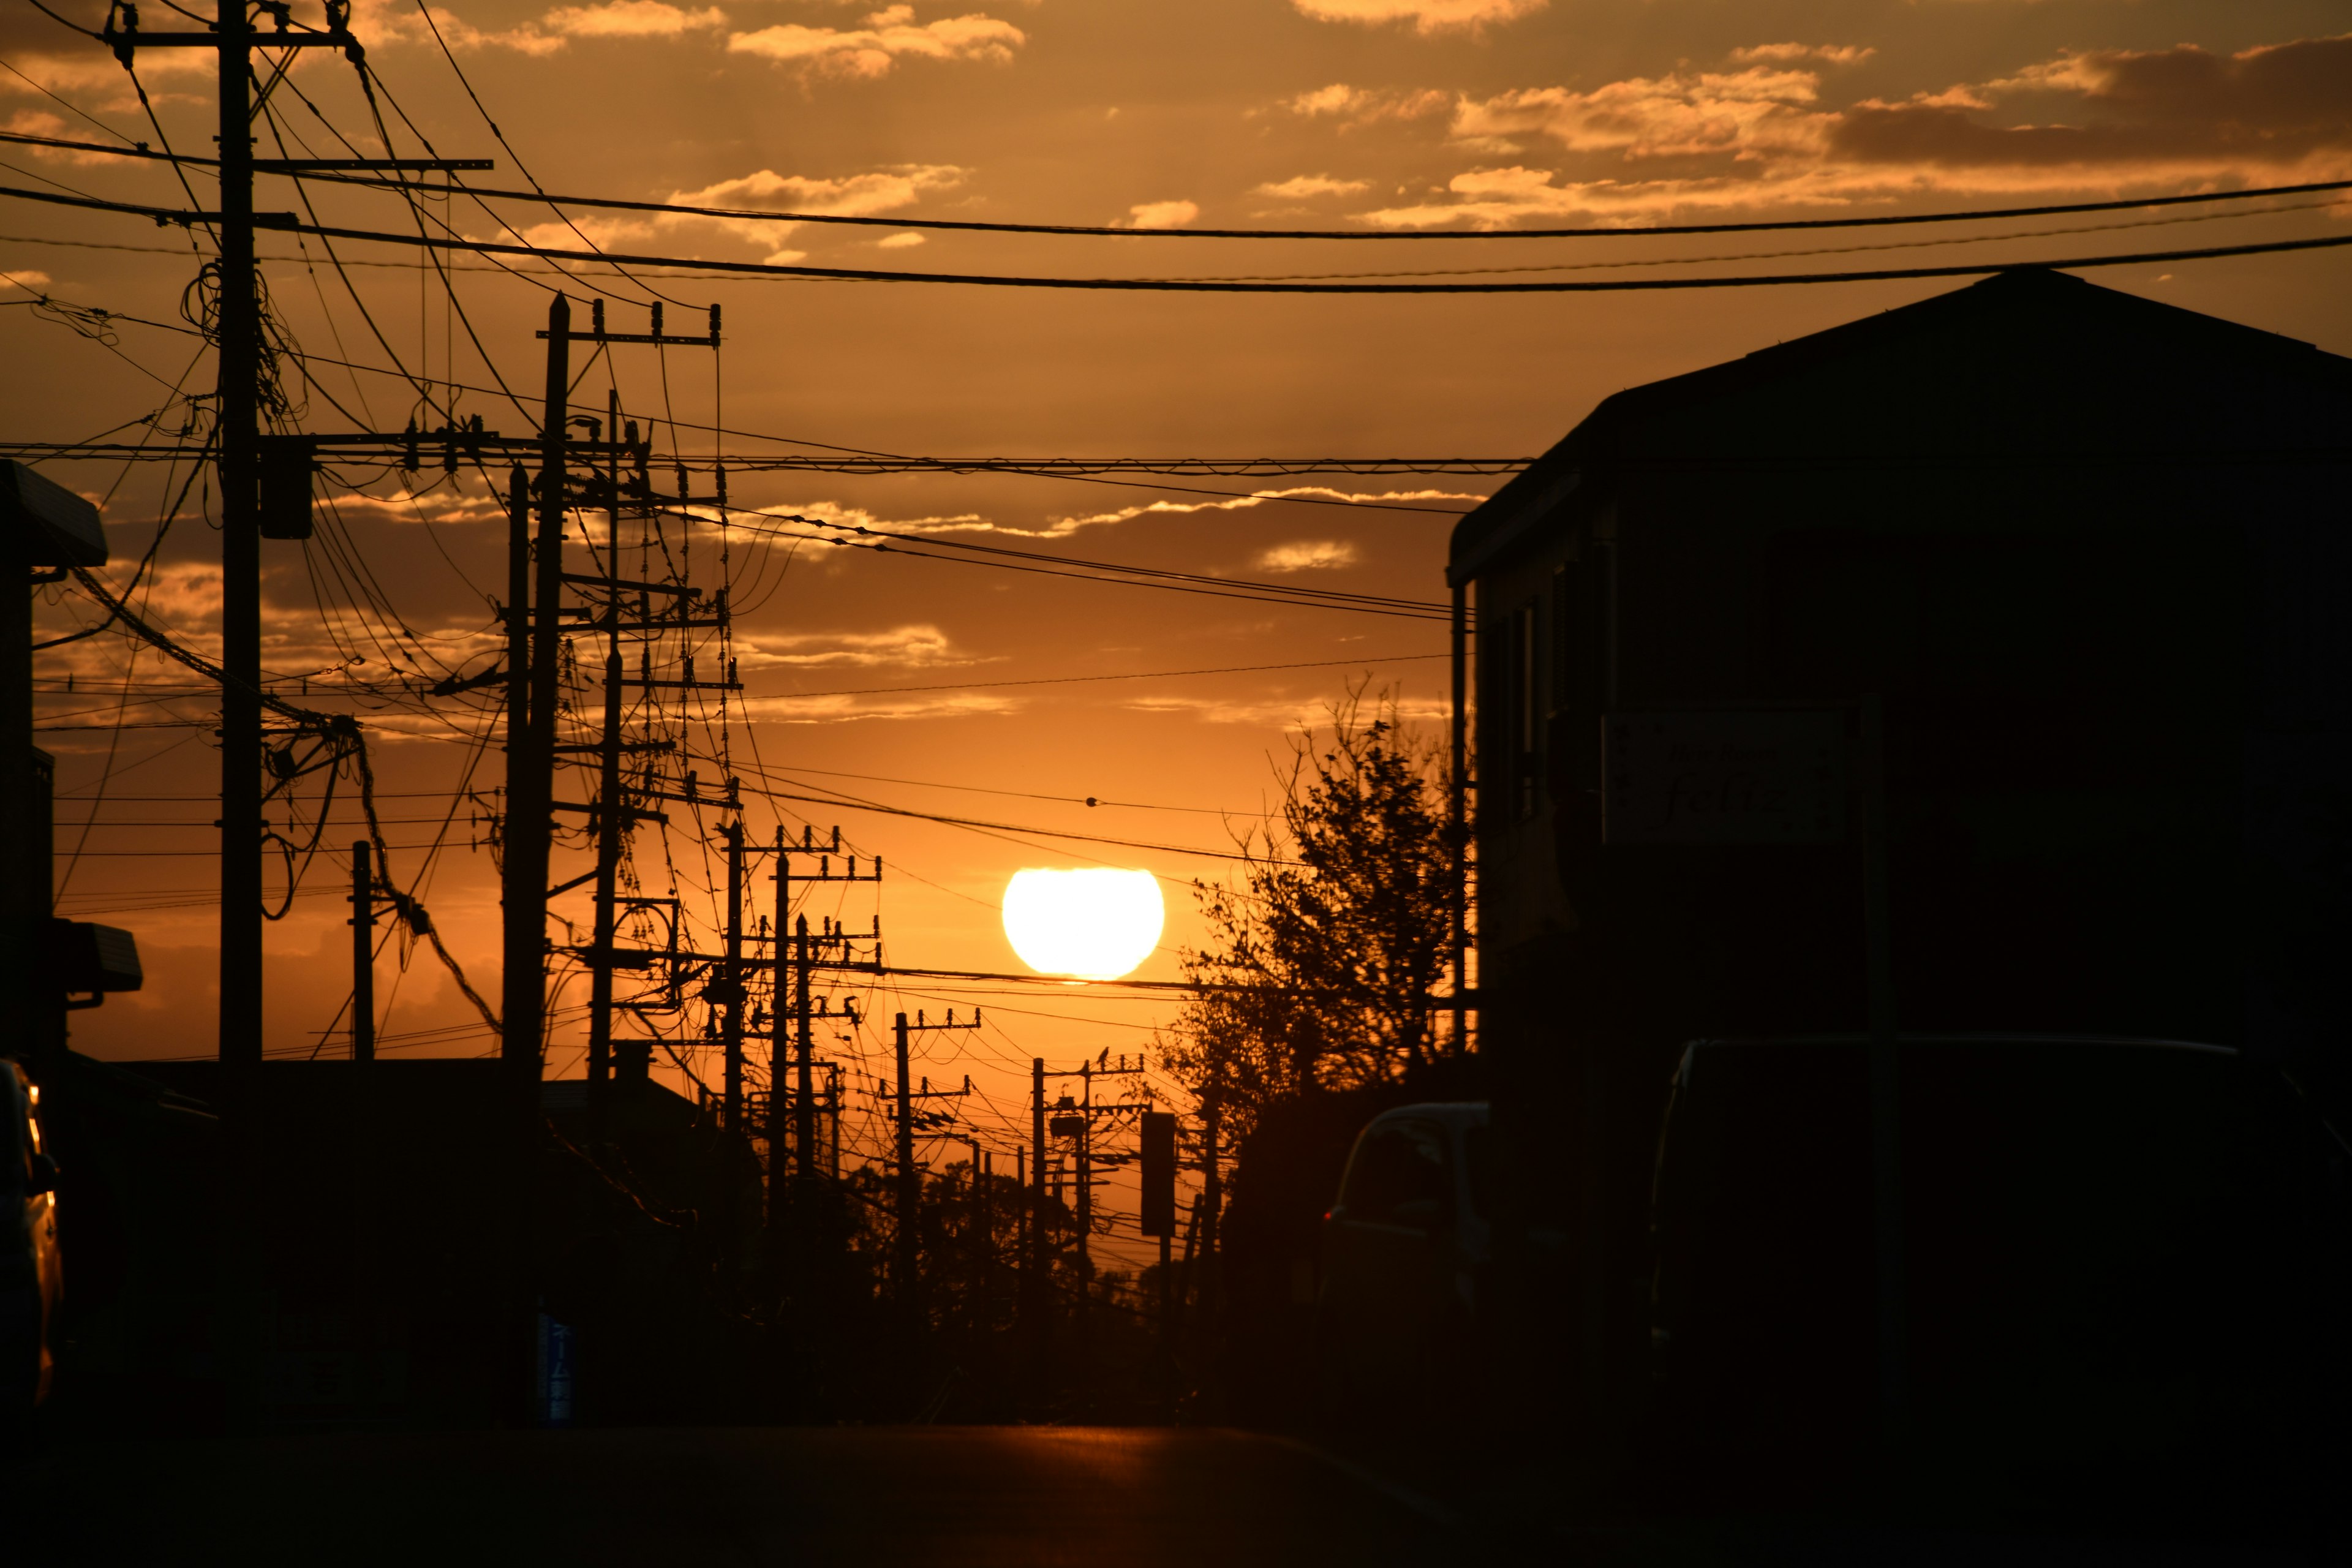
(2029, 363)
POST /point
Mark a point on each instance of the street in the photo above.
(972, 1497)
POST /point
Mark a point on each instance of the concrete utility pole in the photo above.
(909, 1184)
(803, 1086)
(531, 751)
(779, 1034)
(613, 815)
(730, 1028)
(362, 952)
(237, 388)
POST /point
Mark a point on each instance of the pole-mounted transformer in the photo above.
(287, 464)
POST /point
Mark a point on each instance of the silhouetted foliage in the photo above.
(1328, 948)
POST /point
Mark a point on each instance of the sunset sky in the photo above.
(1364, 115)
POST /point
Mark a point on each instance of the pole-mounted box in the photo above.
(1158, 1173)
(287, 464)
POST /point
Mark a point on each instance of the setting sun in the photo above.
(1092, 924)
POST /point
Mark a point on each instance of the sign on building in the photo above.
(1724, 776)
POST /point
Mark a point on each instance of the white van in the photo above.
(1405, 1252)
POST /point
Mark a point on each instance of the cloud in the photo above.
(1355, 107)
(1161, 215)
(907, 241)
(849, 518)
(2182, 110)
(1645, 148)
(28, 278)
(865, 195)
(1760, 111)
(1308, 185)
(1282, 712)
(1307, 555)
(1784, 54)
(843, 709)
(39, 123)
(914, 646)
(548, 33)
(888, 36)
(1426, 15)
(1062, 527)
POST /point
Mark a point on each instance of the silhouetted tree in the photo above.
(1327, 946)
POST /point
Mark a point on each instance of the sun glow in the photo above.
(1091, 924)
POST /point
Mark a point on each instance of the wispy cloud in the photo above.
(1426, 17)
(843, 710)
(888, 36)
(1307, 555)
(1161, 215)
(638, 20)
(1305, 187)
(1700, 141)
(1783, 53)
(909, 646)
(865, 195)
(1356, 107)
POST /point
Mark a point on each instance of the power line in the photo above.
(284, 221)
(1132, 675)
(1617, 231)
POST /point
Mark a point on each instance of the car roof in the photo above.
(1459, 1112)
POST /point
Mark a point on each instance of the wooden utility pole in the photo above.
(362, 952)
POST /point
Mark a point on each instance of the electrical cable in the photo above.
(1207, 286)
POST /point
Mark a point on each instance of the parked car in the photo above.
(1405, 1248)
(2124, 1258)
(30, 1275)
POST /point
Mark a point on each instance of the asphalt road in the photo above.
(969, 1497)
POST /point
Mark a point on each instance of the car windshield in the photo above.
(1398, 1175)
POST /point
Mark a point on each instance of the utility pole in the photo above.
(833, 1116)
(1035, 1304)
(804, 1088)
(531, 754)
(778, 1037)
(611, 811)
(362, 952)
(239, 394)
(731, 980)
(793, 958)
(1213, 1192)
(910, 1183)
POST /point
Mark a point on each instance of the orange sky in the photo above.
(1361, 114)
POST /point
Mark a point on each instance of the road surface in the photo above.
(966, 1497)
